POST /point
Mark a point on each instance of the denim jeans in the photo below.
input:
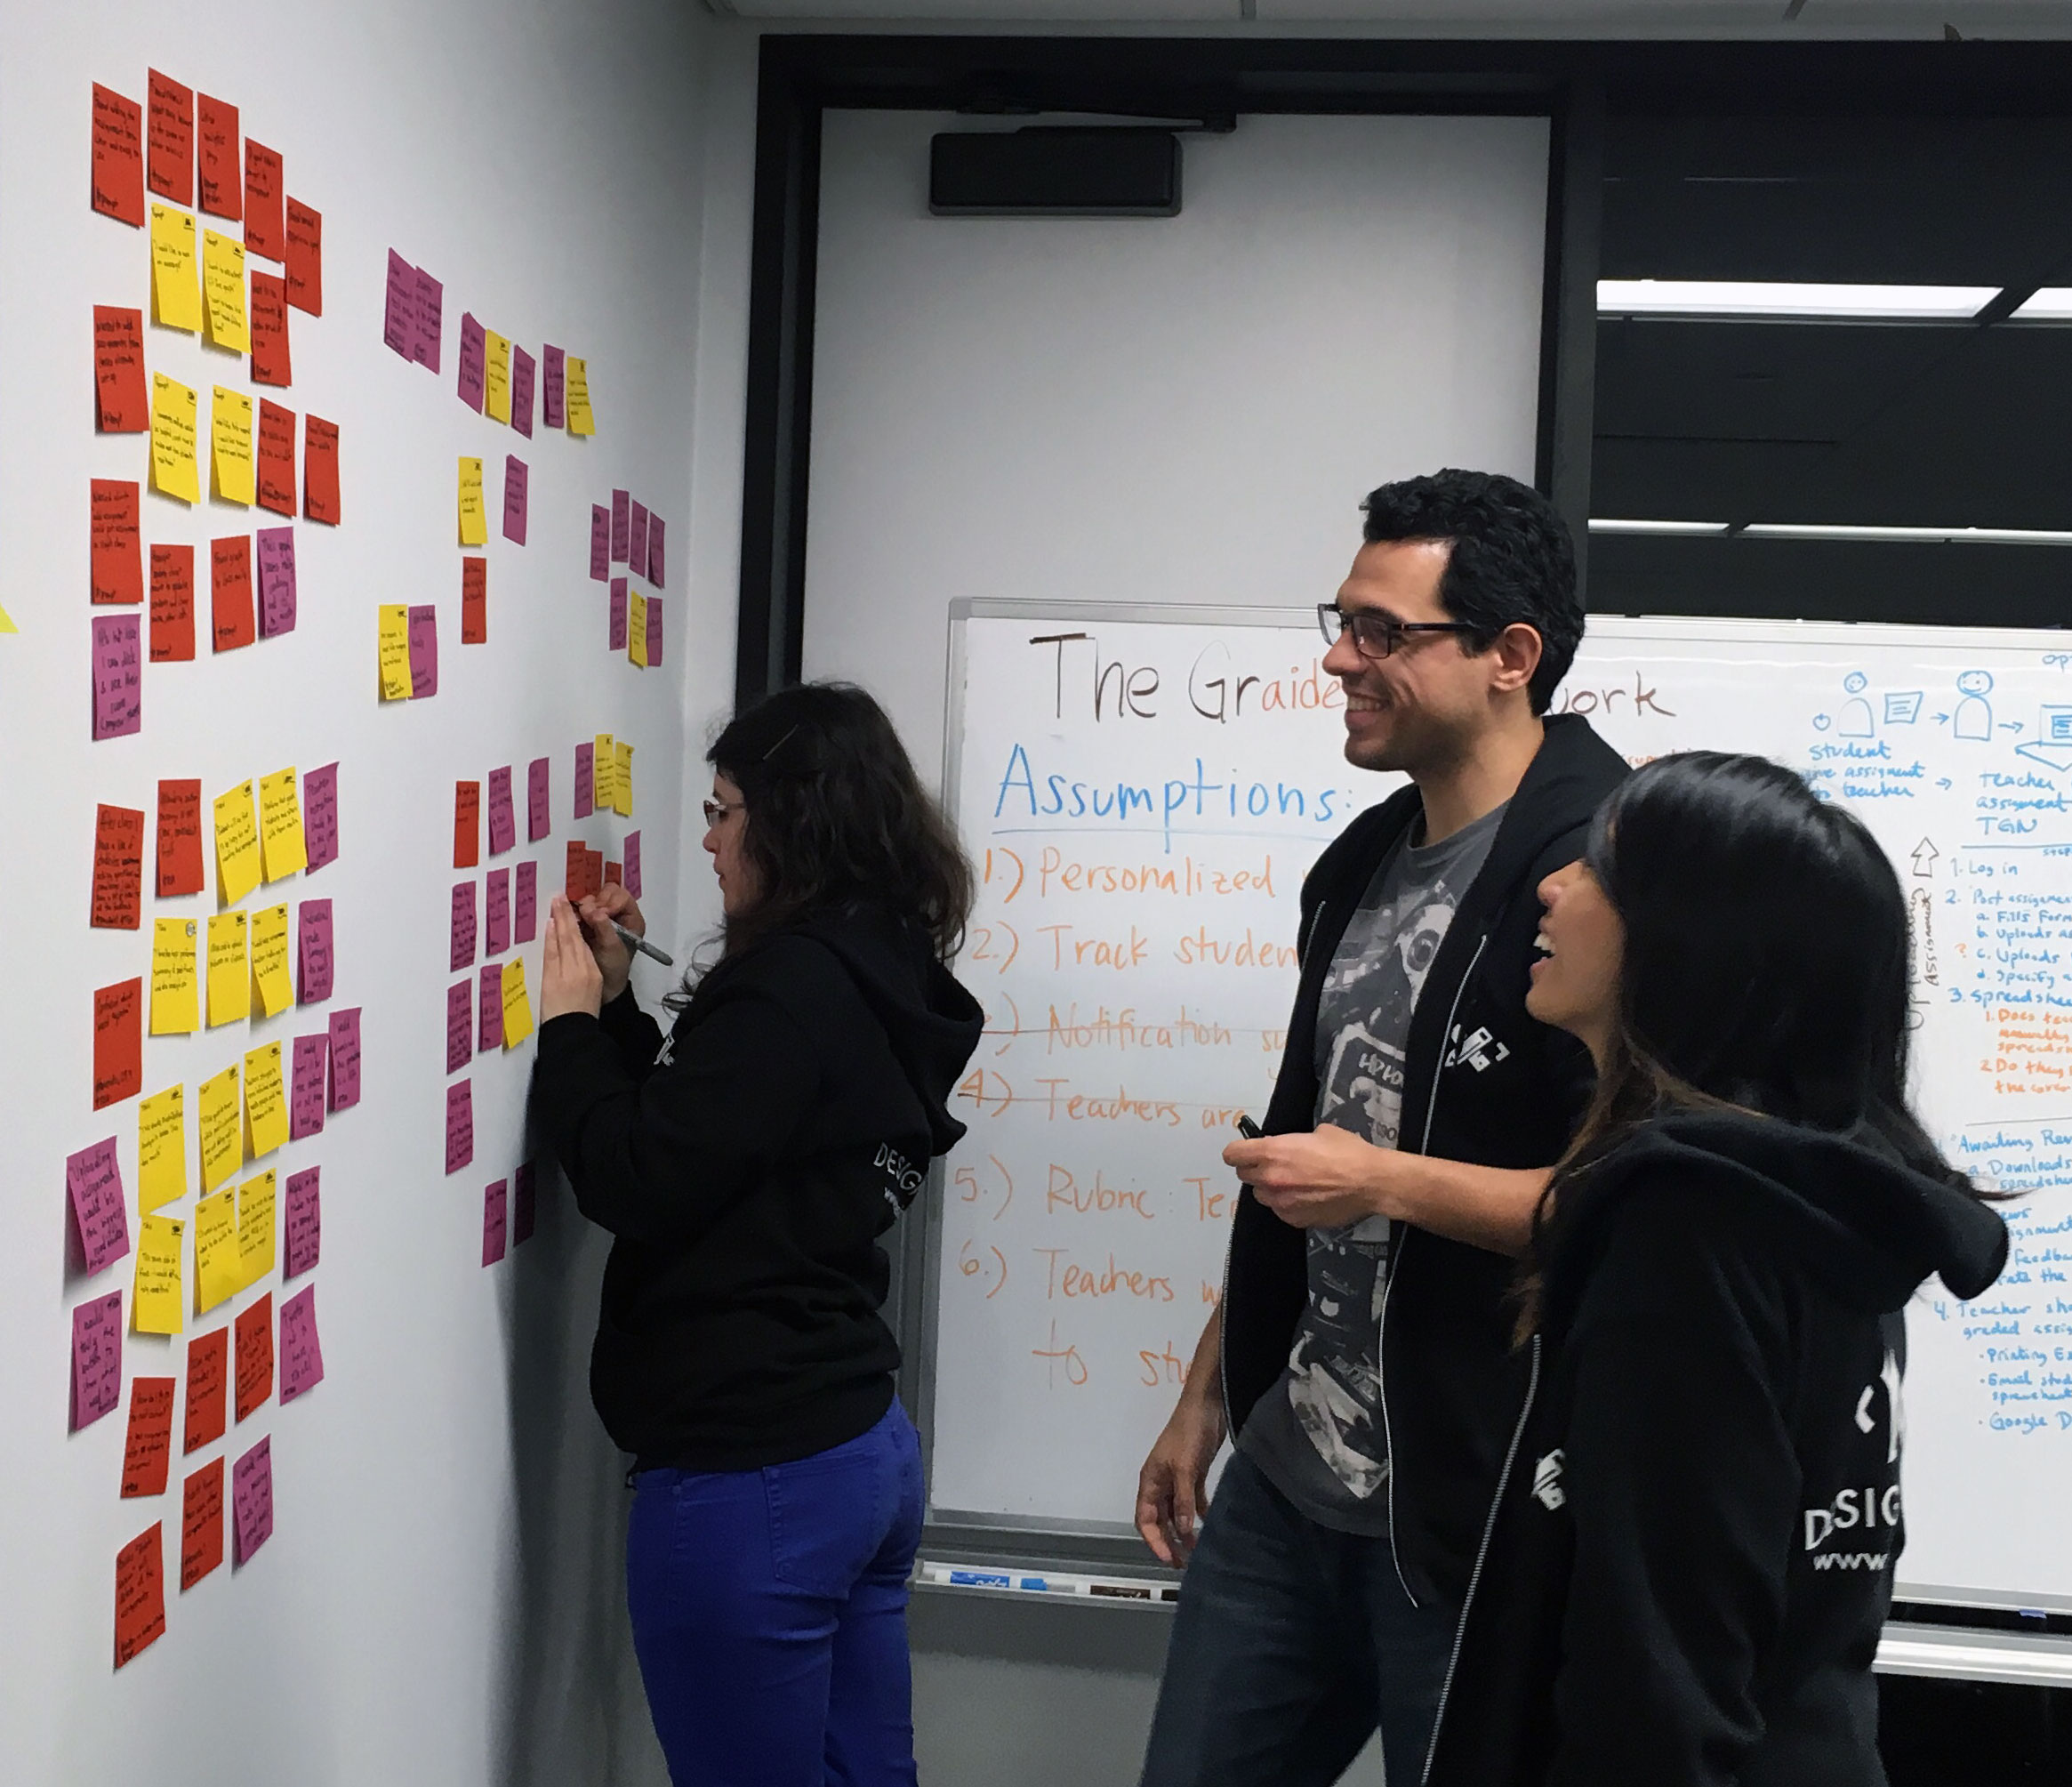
(769, 1615)
(1291, 1645)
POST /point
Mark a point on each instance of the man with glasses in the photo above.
(1362, 1354)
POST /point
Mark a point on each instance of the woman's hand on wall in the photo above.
(571, 979)
(614, 960)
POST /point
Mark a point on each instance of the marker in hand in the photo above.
(633, 941)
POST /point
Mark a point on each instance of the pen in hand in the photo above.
(633, 941)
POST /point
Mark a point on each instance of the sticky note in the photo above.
(515, 480)
(474, 521)
(169, 140)
(425, 651)
(612, 876)
(218, 1266)
(230, 447)
(172, 606)
(236, 844)
(93, 1183)
(175, 980)
(254, 1357)
(305, 261)
(431, 297)
(118, 865)
(601, 543)
(233, 622)
(224, 291)
(392, 650)
(579, 418)
(275, 454)
(305, 1223)
(474, 601)
(623, 780)
(653, 631)
(174, 469)
(117, 654)
(201, 1523)
(460, 946)
(162, 1141)
(116, 561)
(320, 814)
(255, 1238)
(496, 377)
(523, 1205)
(460, 1025)
(301, 1354)
(272, 362)
(269, 961)
(606, 762)
(467, 825)
(97, 1358)
(496, 912)
(280, 825)
(265, 1100)
(320, 471)
(473, 351)
(118, 1041)
(345, 1058)
(312, 1056)
(179, 838)
(121, 400)
(140, 1593)
(230, 969)
(313, 952)
(460, 1125)
(637, 629)
(517, 1008)
(616, 623)
(266, 223)
(493, 1222)
(553, 376)
(525, 903)
(118, 157)
(637, 541)
(633, 864)
(621, 525)
(156, 1303)
(585, 779)
(655, 551)
(176, 293)
(523, 369)
(489, 1007)
(502, 813)
(539, 822)
(399, 307)
(577, 887)
(221, 186)
(251, 1500)
(222, 1140)
(208, 1382)
(148, 1447)
(277, 580)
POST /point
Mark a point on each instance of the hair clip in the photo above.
(779, 745)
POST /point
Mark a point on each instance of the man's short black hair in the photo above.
(1511, 559)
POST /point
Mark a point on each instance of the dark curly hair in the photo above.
(1511, 560)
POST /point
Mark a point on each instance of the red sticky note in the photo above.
(235, 620)
(222, 181)
(460, 1125)
(305, 258)
(467, 825)
(321, 817)
(122, 404)
(118, 1041)
(277, 445)
(140, 1593)
(494, 1224)
(172, 604)
(320, 469)
(97, 1358)
(256, 1356)
(345, 1058)
(251, 1500)
(116, 661)
(117, 556)
(614, 876)
(208, 1381)
(169, 141)
(119, 868)
(93, 1184)
(301, 1353)
(474, 601)
(305, 1227)
(573, 883)
(266, 225)
(270, 329)
(147, 1451)
(179, 838)
(523, 1205)
(118, 157)
(201, 1523)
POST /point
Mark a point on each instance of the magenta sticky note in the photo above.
(493, 1223)
(400, 314)
(630, 873)
(460, 1025)
(301, 1355)
(313, 952)
(425, 651)
(312, 1056)
(553, 372)
(320, 816)
(119, 676)
(601, 543)
(461, 937)
(276, 582)
(345, 1058)
(94, 1179)
(525, 902)
(502, 816)
(616, 639)
(97, 1358)
(585, 779)
(523, 1208)
(637, 541)
(491, 1008)
(431, 300)
(496, 914)
(655, 551)
(515, 479)
(522, 368)
(251, 1500)
(474, 360)
(460, 1125)
(539, 820)
(305, 1232)
(622, 524)
(653, 631)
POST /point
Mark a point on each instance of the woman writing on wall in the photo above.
(1689, 1562)
(748, 1167)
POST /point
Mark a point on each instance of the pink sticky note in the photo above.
(305, 1233)
(585, 779)
(97, 1358)
(525, 904)
(400, 314)
(631, 872)
(637, 541)
(493, 1223)
(251, 1500)
(119, 687)
(462, 936)
(515, 479)
(491, 1008)
(276, 582)
(655, 551)
(539, 822)
(601, 543)
(552, 373)
(320, 816)
(314, 951)
(460, 1025)
(522, 368)
(345, 1058)
(94, 1179)
(503, 817)
(653, 631)
(460, 1125)
(523, 1208)
(622, 524)
(474, 360)
(425, 651)
(432, 299)
(301, 1355)
(616, 637)
(496, 914)
(312, 1055)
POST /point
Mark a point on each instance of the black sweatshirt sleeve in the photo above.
(636, 1035)
(1683, 1486)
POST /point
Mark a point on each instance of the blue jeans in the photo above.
(769, 1615)
(1291, 1645)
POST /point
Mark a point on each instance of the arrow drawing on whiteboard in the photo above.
(2054, 756)
(1924, 855)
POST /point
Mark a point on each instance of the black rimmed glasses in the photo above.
(1375, 635)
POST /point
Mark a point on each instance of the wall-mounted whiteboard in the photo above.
(1143, 790)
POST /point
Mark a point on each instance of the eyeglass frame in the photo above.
(716, 811)
(1335, 623)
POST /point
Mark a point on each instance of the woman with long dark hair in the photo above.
(1689, 1565)
(749, 1166)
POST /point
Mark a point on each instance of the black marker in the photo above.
(633, 941)
(1249, 1130)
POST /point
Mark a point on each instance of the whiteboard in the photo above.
(1140, 834)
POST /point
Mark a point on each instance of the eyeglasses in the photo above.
(1376, 636)
(716, 811)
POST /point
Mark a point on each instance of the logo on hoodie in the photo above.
(903, 1178)
(1480, 1050)
(1547, 1481)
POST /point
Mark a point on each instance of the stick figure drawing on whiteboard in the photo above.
(1856, 721)
(1974, 716)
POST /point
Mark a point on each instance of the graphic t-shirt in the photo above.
(1319, 1434)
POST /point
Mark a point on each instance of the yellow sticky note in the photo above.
(280, 825)
(236, 845)
(255, 1230)
(175, 983)
(518, 1009)
(230, 969)
(474, 521)
(219, 1268)
(265, 1100)
(222, 1141)
(161, 1148)
(230, 447)
(174, 468)
(270, 960)
(577, 389)
(223, 287)
(604, 772)
(637, 627)
(393, 651)
(496, 379)
(176, 295)
(623, 781)
(156, 1306)
(7, 623)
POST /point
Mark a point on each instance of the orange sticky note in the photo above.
(222, 181)
(119, 868)
(140, 1593)
(474, 601)
(147, 1451)
(118, 1041)
(266, 228)
(201, 1523)
(208, 1377)
(267, 315)
(305, 259)
(320, 469)
(234, 620)
(122, 402)
(117, 556)
(179, 838)
(169, 140)
(276, 454)
(467, 825)
(118, 157)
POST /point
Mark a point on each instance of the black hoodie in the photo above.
(748, 1169)
(1691, 1559)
